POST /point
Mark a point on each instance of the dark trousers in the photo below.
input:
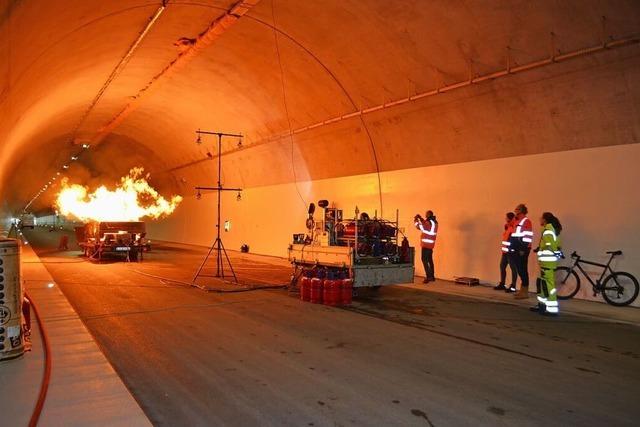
(507, 259)
(522, 265)
(427, 262)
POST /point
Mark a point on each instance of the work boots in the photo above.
(523, 293)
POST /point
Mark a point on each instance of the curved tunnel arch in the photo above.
(339, 58)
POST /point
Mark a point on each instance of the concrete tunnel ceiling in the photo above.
(103, 73)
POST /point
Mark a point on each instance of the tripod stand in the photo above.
(217, 245)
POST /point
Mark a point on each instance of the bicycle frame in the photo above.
(605, 268)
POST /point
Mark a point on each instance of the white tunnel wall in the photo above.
(592, 191)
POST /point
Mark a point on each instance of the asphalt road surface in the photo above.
(396, 357)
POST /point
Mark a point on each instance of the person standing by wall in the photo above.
(549, 253)
(507, 256)
(428, 232)
(520, 241)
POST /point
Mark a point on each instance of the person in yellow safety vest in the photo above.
(549, 253)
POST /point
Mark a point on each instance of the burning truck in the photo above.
(113, 225)
(125, 239)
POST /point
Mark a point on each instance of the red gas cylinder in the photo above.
(305, 289)
(316, 290)
(337, 292)
(327, 287)
(346, 292)
(331, 293)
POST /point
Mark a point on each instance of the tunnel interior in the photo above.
(466, 109)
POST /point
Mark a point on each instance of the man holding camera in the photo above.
(428, 232)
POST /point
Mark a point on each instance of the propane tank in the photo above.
(305, 286)
(11, 337)
(327, 286)
(346, 291)
(336, 291)
(316, 290)
(331, 291)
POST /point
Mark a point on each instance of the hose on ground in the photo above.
(217, 290)
(46, 376)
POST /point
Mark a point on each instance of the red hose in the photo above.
(46, 376)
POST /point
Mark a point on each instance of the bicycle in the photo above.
(618, 288)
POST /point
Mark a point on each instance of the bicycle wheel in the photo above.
(620, 289)
(567, 283)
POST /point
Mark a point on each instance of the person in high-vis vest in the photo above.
(507, 256)
(428, 232)
(520, 244)
(549, 253)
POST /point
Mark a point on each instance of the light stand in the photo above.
(217, 245)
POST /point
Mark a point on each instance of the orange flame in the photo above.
(132, 200)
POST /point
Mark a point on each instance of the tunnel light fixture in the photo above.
(65, 167)
(85, 146)
(74, 158)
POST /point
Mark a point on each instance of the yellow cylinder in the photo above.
(11, 337)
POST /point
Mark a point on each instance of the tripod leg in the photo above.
(204, 262)
(219, 264)
(235, 279)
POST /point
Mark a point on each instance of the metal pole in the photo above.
(219, 259)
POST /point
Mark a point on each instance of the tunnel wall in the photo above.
(592, 191)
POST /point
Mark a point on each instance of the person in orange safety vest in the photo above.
(507, 257)
(428, 232)
(520, 241)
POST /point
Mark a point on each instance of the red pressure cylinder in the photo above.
(336, 292)
(346, 291)
(327, 287)
(331, 292)
(305, 288)
(316, 290)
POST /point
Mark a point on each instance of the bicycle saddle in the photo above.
(614, 252)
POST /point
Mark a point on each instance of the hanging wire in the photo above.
(286, 108)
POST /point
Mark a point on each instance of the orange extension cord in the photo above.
(46, 376)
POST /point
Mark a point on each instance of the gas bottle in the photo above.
(316, 290)
(331, 291)
(327, 287)
(305, 287)
(347, 291)
(336, 292)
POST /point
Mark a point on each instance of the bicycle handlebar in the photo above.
(574, 254)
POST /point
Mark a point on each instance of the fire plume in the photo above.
(131, 200)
